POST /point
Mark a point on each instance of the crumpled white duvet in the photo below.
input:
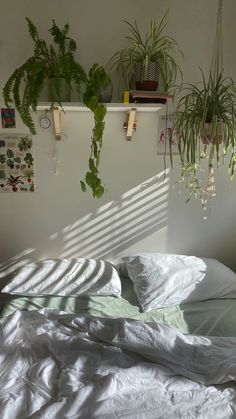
(55, 365)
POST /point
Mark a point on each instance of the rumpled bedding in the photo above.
(56, 365)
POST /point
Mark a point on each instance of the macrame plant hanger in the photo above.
(215, 71)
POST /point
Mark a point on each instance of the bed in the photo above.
(103, 356)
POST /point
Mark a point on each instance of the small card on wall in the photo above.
(16, 163)
(8, 116)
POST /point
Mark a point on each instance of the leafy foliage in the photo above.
(57, 61)
(97, 78)
(154, 47)
(14, 180)
(2, 158)
(206, 112)
(29, 159)
(24, 143)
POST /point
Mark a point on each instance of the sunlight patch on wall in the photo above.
(117, 225)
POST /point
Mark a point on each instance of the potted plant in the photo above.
(53, 64)
(56, 64)
(24, 143)
(147, 57)
(206, 124)
(13, 182)
(28, 174)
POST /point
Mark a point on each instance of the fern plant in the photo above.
(57, 61)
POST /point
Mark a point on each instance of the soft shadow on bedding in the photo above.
(213, 317)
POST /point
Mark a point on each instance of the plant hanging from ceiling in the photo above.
(206, 124)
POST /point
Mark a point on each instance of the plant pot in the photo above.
(105, 94)
(207, 135)
(146, 79)
(65, 95)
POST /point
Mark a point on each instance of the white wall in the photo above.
(138, 212)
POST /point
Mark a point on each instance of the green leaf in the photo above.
(83, 186)
(92, 166)
(100, 113)
(91, 179)
(99, 191)
(10, 153)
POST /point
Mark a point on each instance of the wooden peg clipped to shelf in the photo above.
(56, 111)
(130, 124)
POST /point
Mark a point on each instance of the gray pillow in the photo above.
(162, 280)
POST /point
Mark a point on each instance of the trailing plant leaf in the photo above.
(97, 78)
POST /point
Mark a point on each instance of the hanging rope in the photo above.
(217, 55)
(215, 71)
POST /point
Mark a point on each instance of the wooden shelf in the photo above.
(111, 107)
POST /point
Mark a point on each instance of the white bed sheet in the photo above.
(56, 365)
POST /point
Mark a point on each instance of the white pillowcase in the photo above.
(162, 280)
(65, 277)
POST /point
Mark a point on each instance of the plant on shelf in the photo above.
(54, 64)
(206, 125)
(147, 57)
(97, 78)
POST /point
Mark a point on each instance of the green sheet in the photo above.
(212, 317)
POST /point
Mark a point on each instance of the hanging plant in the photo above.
(97, 78)
(206, 124)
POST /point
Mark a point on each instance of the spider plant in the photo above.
(143, 50)
(206, 122)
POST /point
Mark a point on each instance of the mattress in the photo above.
(209, 318)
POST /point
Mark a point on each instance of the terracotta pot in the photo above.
(207, 135)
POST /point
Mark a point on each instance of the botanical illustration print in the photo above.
(167, 134)
(16, 163)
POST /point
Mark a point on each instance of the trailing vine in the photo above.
(97, 79)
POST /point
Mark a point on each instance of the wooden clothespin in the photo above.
(57, 122)
(130, 124)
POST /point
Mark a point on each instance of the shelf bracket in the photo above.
(56, 111)
(130, 124)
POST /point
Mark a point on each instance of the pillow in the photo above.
(162, 280)
(65, 277)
